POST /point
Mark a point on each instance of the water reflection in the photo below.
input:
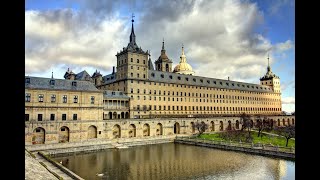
(176, 161)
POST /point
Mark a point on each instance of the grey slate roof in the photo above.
(109, 78)
(83, 76)
(108, 94)
(59, 84)
(169, 77)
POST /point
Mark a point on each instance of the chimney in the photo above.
(113, 70)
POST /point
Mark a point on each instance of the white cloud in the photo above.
(288, 100)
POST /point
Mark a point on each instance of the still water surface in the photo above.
(177, 161)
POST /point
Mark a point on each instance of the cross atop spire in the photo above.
(132, 35)
(268, 68)
(163, 44)
(132, 18)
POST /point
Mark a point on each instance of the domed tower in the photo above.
(270, 79)
(183, 67)
(163, 63)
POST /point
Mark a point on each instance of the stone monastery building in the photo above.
(139, 99)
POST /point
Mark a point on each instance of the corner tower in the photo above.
(132, 61)
(163, 63)
(270, 79)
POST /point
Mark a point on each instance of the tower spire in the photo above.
(163, 44)
(268, 68)
(132, 35)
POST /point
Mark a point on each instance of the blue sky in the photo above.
(221, 38)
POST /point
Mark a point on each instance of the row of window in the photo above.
(131, 60)
(204, 108)
(53, 98)
(52, 117)
(207, 100)
(204, 95)
(215, 82)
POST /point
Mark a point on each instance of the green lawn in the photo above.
(266, 139)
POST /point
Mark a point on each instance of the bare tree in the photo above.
(201, 127)
(247, 123)
(263, 123)
(286, 131)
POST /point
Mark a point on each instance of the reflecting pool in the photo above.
(177, 161)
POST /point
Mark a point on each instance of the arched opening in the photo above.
(192, 127)
(289, 122)
(64, 134)
(167, 67)
(116, 131)
(110, 115)
(212, 126)
(278, 122)
(92, 132)
(114, 115)
(38, 136)
(292, 121)
(221, 126)
(229, 125)
(159, 129)
(176, 128)
(283, 122)
(271, 123)
(122, 115)
(146, 130)
(127, 115)
(132, 130)
(237, 124)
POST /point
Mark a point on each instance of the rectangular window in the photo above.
(64, 99)
(40, 97)
(154, 107)
(64, 117)
(52, 117)
(92, 99)
(53, 98)
(75, 117)
(39, 117)
(26, 117)
(75, 99)
(28, 97)
(131, 90)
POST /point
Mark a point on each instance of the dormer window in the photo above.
(170, 77)
(227, 84)
(113, 93)
(162, 76)
(187, 79)
(152, 74)
(194, 80)
(27, 80)
(208, 81)
(74, 84)
(201, 80)
(221, 83)
(214, 82)
(52, 82)
(179, 78)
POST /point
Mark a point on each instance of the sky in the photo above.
(221, 39)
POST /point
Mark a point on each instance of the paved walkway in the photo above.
(52, 167)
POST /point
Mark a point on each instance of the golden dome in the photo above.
(183, 67)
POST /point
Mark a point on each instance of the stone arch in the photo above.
(159, 130)
(283, 122)
(92, 132)
(64, 134)
(192, 127)
(289, 122)
(278, 122)
(292, 121)
(146, 130)
(38, 136)
(237, 124)
(132, 130)
(127, 115)
(221, 126)
(116, 131)
(229, 125)
(110, 115)
(212, 126)
(176, 128)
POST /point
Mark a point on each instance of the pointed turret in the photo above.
(163, 63)
(270, 79)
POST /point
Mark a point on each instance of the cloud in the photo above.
(288, 100)
(276, 5)
(284, 46)
(219, 37)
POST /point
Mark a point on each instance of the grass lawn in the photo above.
(266, 139)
